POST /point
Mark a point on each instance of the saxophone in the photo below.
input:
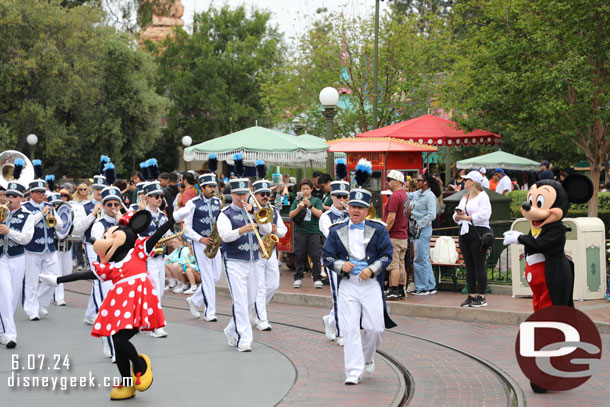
(212, 249)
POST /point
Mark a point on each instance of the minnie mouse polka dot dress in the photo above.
(132, 302)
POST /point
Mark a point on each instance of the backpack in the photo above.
(444, 251)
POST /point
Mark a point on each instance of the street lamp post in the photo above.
(376, 66)
(299, 127)
(186, 141)
(329, 98)
(32, 140)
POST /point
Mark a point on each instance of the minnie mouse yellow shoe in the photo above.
(122, 392)
(142, 381)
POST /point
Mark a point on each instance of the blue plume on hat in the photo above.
(103, 160)
(110, 173)
(50, 179)
(364, 169)
(212, 162)
(37, 168)
(144, 170)
(153, 169)
(19, 164)
(261, 169)
(340, 169)
(239, 164)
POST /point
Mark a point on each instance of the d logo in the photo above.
(242, 184)
(358, 196)
(558, 348)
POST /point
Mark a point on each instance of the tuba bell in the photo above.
(7, 161)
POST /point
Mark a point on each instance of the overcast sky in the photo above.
(289, 15)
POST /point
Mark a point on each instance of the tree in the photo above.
(83, 89)
(214, 75)
(338, 51)
(537, 69)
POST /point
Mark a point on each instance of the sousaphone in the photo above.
(7, 161)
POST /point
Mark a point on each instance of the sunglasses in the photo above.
(419, 180)
(65, 196)
(264, 194)
(340, 196)
(112, 205)
(156, 196)
(83, 189)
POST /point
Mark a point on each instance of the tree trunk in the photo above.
(595, 172)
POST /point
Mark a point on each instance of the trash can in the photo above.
(585, 246)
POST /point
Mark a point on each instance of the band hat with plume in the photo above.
(261, 186)
(340, 169)
(144, 170)
(240, 186)
(238, 160)
(110, 173)
(54, 198)
(111, 192)
(153, 169)
(261, 169)
(212, 162)
(340, 188)
(15, 187)
(50, 180)
(38, 184)
(359, 196)
(99, 182)
(104, 159)
(153, 188)
(208, 178)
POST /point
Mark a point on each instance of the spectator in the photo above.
(605, 188)
(69, 187)
(396, 224)
(423, 204)
(504, 182)
(324, 182)
(317, 191)
(180, 268)
(83, 193)
(3, 198)
(66, 196)
(188, 183)
(305, 213)
(129, 193)
(545, 172)
(472, 214)
(458, 181)
(493, 182)
(170, 191)
(484, 180)
(562, 176)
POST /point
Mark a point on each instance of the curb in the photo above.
(417, 310)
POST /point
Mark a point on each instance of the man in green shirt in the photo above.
(307, 234)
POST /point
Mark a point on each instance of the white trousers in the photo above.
(266, 284)
(360, 299)
(238, 275)
(7, 321)
(65, 267)
(99, 289)
(210, 271)
(156, 272)
(16, 267)
(333, 316)
(36, 264)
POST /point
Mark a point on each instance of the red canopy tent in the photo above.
(433, 130)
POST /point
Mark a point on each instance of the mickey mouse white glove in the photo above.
(48, 279)
(511, 237)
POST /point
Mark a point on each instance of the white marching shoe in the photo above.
(263, 326)
(193, 308)
(158, 333)
(107, 350)
(369, 367)
(329, 330)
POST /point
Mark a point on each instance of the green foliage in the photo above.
(535, 70)
(214, 75)
(83, 89)
(338, 51)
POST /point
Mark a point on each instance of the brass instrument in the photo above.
(212, 249)
(264, 215)
(261, 244)
(160, 245)
(7, 166)
(3, 213)
(372, 213)
(50, 220)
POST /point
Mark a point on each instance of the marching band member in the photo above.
(240, 249)
(83, 222)
(16, 231)
(111, 201)
(140, 204)
(339, 193)
(64, 252)
(358, 250)
(40, 252)
(198, 225)
(154, 265)
(268, 280)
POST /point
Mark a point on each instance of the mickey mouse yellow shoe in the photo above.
(142, 381)
(122, 392)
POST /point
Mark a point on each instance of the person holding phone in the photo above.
(472, 214)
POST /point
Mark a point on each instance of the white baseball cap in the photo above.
(482, 170)
(396, 175)
(474, 176)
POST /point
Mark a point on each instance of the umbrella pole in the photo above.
(447, 166)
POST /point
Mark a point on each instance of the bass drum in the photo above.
(66, 214)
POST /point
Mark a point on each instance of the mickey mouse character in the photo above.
(132, 304)
(548, 271)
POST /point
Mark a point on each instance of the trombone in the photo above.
(262, 215)
(261, 244)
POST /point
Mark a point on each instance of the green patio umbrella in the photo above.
(499, 159)
(272, 146)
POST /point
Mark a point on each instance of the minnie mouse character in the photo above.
(132, 304)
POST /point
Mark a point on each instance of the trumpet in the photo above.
(160, 245)
(50, 220)
(261, 244)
